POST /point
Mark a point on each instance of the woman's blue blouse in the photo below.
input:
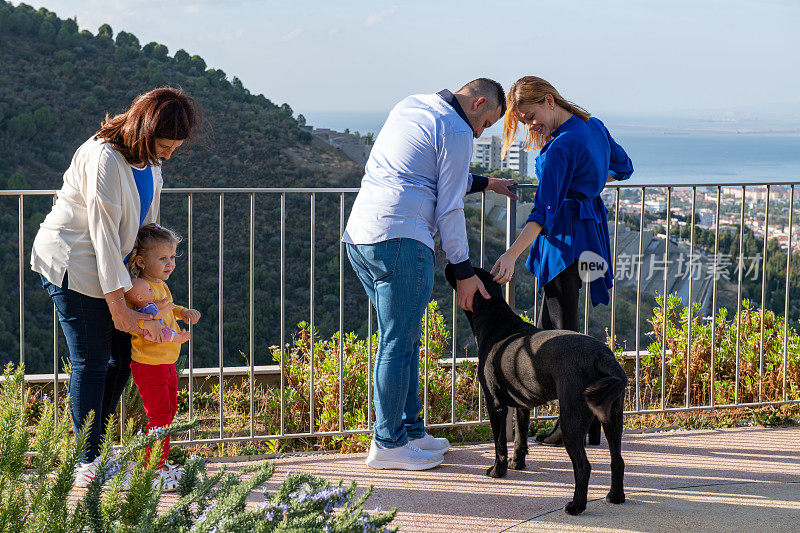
(572, 169)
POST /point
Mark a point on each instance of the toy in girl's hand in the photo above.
(141, 296)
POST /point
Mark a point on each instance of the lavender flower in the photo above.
(204, 515)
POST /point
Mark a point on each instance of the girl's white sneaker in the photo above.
(170, 484)
(176, 471)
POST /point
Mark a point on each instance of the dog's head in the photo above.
(479, 303)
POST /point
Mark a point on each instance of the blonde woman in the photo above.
(569, 220)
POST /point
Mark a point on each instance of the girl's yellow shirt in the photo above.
(154, 353)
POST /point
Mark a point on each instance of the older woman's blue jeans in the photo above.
(397, 275)
(99, 356)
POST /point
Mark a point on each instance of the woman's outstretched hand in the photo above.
(504, 268)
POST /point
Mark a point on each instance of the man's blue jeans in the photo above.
(100, 357)
(398, 277)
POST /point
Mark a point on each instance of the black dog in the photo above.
(522, 366)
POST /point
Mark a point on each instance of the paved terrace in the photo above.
(739, 479)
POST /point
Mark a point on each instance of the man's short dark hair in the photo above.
(489, 89)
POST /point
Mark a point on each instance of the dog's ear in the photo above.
(492, 287)
(450, 274)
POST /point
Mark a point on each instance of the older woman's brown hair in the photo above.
(163, 113)
(532, 90)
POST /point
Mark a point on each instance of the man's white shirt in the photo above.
(416, 178)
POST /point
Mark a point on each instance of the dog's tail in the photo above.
(602, 395)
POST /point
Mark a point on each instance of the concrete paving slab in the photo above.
(740, 507)
(739, 479)
(458, 496)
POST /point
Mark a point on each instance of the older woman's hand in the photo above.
(504, 267)
(127, 320)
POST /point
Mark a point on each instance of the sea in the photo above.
(667, 150)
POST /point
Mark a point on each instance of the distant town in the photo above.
(705, 208)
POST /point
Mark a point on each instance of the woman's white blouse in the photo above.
(94, 222)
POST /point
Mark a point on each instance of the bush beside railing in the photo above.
(725, 335)
(297, 372)
(355, 351)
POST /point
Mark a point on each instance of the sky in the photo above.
(734, 58)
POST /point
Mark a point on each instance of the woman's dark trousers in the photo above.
(560, 311)
(100, 359)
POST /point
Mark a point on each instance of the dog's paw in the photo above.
(498, 470)
(574, 509)
(612, 497)
(517, 464)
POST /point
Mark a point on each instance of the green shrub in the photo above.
(36, 493)
(757, 382)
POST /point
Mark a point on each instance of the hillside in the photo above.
(57, 82)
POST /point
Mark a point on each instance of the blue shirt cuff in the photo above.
(479, 183)
(463, 270)
(619, 176)
(539, 218)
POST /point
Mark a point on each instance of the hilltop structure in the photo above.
(355, 147)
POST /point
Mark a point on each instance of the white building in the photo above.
(486, 152)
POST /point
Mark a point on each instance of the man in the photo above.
(415, 181)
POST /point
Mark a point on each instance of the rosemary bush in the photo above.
(36, 491)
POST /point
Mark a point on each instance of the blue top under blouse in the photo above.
(144, 184)
(146, 187)
(572, 169)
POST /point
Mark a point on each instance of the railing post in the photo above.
(511, 236)
(219, 308)
(191, 331)
(252, 312)
(20, 254)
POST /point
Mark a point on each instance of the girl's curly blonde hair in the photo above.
(149, 235)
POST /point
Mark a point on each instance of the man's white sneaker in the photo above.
(408, 457)
(430, 443)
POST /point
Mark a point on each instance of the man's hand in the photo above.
(501, 186)
(466, 289)
(190, 315)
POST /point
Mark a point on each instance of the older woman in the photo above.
(111, 188)
(568, 223)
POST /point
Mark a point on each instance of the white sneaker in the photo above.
(407, 457)
(85, 473)
(432, 444)
(170, 484)
(176, 471)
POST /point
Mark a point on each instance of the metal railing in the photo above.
(312, 194)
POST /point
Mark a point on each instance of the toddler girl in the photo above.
(153, 356)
